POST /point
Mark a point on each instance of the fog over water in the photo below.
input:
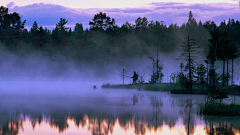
(56, 90)
(37, 67)
(52, 92)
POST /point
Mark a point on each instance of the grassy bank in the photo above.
(224, 109)
(173, 88)
(168, 87)
(233, 90)
(142, 86)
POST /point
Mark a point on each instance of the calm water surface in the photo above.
(75, 108)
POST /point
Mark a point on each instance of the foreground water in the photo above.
(75, 108)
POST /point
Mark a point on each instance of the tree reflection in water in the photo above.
(188, 117)
(221, 126)
(140, 115)
(156, 120)
(101, 124)
(59, 121)
(36, 119)
(79, 119)
(126, 121)
(10, 125)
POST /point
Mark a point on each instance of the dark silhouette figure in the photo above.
(135, 77)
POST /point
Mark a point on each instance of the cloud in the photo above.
(11, 5)
(169, 12)
(206, 6)
(172, 13)
(130, 10)
(49, 14)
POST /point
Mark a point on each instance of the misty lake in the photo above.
(76, 108)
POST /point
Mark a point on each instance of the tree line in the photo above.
(105, 42)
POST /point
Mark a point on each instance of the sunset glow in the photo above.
(108, 3)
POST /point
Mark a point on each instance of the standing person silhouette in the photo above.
(135, 77)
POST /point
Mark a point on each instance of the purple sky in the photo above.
(49, 14)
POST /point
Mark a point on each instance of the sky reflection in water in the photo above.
(118, 129)
(78, 110)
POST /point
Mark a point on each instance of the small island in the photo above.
(172, 88)
(213, 106)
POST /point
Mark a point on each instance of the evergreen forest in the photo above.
(104, 43)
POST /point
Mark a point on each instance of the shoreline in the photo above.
(172, 88)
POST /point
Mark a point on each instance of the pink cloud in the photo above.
(170, 13)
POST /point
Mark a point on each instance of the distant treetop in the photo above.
(101, 20)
